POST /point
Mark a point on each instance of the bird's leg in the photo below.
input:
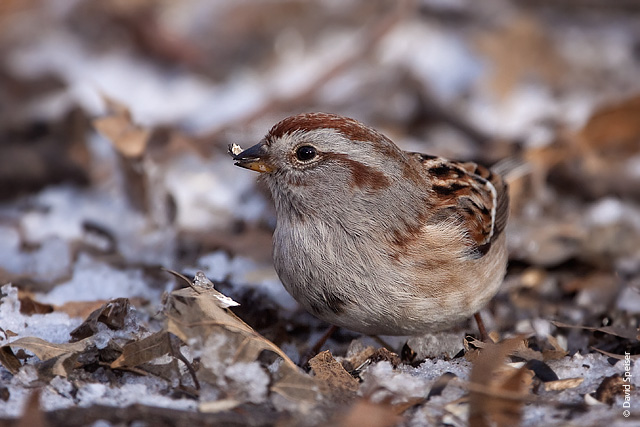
(484, 336)
(318, 344)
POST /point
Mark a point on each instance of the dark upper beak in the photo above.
(254, 158)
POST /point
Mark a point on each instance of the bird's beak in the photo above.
(254, 158)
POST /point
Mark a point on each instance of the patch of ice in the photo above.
(14, 406)
(53, 327)
(57, 395)
(435, 344)
(517, 114)
(62, 386)
(66, 209)
(629, 300)
(432, 369)
(216, 265)
(50, 261)
(90, 393)
(93, 280)
(609, 211)
(381, 378)
(142, 86)
(27, 375)
(213, 355)
(238, 97)
(593, 367)
(606, 211)
(249, 380)
(141, 390)
(447, 4)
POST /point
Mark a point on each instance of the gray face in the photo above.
(325, 173)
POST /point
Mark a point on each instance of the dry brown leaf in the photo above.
(129, 139)
(9, 360)
(111, 314)
(366, 413)
(32, 414)
(357, 359)
(557, 353)
(80, 308)
(610, 388)
(340, 384)
(535, 54)
(617, 356)
(613, 131)
(145, 350)
(298, 387)
(64, 354)
(29, 306)
(563, 384)
(192, 314)
(520, 349)
(45, 350)
(497, 394)
(627, 333)
(440, 384)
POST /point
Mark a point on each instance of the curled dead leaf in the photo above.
(128, 139)
(145, 350)
(563, 384)
(64, 354)
(496, 393)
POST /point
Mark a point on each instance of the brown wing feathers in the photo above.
(478, 197)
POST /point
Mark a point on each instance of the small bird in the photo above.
(375, 239)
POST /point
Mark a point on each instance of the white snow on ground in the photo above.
(243, 272)
(54, 327)
(94, 280)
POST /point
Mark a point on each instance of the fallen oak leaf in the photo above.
(190, 314)
(193, 314)
(201, 281)
(340, 384)
(145, 350)
(9, 360)
(44, 350)
(112, 314)
(298, 387)
(62, 356)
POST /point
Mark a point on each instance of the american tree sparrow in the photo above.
(376, 239)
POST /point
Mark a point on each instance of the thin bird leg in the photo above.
(484, 336)
(318, 345)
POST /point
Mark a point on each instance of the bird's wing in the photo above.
(471, 194)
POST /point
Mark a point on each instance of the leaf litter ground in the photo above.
(113, 169)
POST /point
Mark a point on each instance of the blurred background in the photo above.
(116, 116)
(115, 120)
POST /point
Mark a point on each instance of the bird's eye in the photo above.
(305, 153)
